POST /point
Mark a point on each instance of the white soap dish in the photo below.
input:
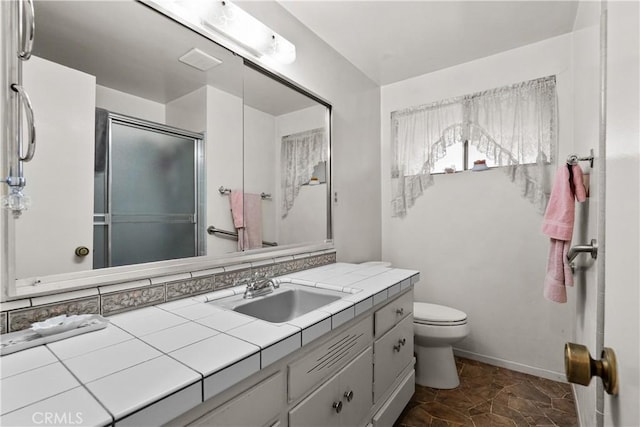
(50, 330)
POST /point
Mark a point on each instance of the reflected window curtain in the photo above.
(516, 126)
(300, 153)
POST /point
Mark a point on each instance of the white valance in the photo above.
(515, 126)
(299, 155)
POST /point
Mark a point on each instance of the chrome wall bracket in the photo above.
(578, 249)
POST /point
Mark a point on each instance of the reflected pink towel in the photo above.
(236, 198)
(252, 221)
(246, 210)
(558, 225)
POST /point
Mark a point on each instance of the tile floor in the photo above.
(492, 396)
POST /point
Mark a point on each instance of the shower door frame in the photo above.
(199, 216)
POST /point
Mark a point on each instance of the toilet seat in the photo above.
(437, 315)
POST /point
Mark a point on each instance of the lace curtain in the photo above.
(300, 153)
(515, 126)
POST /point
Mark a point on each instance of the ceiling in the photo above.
(129, 47)
(390, 41)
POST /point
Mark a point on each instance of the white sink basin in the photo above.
(285, 303)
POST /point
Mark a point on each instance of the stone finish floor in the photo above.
(492, 396)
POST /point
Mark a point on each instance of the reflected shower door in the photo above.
(153, 194)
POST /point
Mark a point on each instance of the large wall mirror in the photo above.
(155, 143)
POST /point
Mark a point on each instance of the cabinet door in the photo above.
(258, 406)
(320, 408)
(394, 351)
(328, 358)
(329, 405)
(356, 387)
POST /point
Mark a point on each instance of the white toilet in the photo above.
(436, 328)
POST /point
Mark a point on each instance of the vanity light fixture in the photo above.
(223, 18)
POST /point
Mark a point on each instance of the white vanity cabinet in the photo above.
(359, 374)
(344, 400)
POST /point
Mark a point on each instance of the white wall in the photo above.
(129, 105)
(586, 95)
(188, 112)
(475, 240)
(60, 174)
(356, 130)
(622, 252)
(219, 115)
(260, 164)
(224, 136)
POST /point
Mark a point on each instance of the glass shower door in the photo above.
(153, 189)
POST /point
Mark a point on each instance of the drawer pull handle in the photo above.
(348, 395)
(397, 348)
(337, 406)
(400, 311)
(403, 341)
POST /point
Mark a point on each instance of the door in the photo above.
(622, 254)
(608, 295)
(62, 98)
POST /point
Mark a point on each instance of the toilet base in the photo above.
(436, 367)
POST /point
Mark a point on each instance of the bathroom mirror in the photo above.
(290, 131)
(154, 78)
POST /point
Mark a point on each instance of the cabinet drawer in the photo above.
(389, 315)
(393, 352)
(344, 400)
(328, 358)
(258, 406)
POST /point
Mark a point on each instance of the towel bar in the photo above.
(574, 159)
(232, 235)
(578, 249)
(222, 190)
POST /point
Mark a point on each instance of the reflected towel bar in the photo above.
(574, 159)
(232, 235)
(577, 250)
(222, 190)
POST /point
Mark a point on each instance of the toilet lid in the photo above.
(434, 314)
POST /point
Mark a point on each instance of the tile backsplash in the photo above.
(112, 299)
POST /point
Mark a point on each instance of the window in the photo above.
(459, 155)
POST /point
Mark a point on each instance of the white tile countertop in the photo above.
(150, 365)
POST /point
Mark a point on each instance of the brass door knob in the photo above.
(580, 367)
(82, 251)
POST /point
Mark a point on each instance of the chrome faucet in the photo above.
(258, 288)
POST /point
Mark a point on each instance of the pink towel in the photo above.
(236, 198)
(558, 225)
(246, 210)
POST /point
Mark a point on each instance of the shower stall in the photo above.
(149, 192)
